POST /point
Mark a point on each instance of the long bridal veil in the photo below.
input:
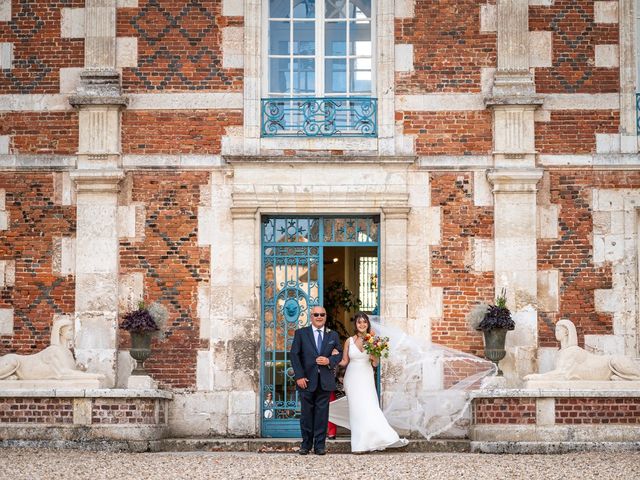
(426, 386)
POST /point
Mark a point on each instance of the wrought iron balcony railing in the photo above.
(320, 117)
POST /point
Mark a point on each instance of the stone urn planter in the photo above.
(495, 324)
(141, 326)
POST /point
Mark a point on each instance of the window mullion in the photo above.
(320, 53)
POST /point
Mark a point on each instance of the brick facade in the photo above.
(511, 411)
(173, 265)
(35, 220)
(41, 132)
(593, 411)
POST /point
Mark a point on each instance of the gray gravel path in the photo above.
(17, 464)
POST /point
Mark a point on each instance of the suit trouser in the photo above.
(314, 418)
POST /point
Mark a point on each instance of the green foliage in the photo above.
(337, 298)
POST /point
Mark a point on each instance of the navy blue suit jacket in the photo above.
(303, 358)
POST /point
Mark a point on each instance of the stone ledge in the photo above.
(557, 393)
(552, 447)
(86, 393)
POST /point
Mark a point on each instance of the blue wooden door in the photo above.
(292, 281)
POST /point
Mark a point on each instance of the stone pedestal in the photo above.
(141, 382)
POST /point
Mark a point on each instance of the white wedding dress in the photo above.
(359, 410)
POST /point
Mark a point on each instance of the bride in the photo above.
(359, 410)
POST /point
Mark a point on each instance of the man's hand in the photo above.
(322, 361)
(334, 352)
(302, 383)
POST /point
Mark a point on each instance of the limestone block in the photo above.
(526, 332)
(69, 79)
(404, 8)
(548, 290)
(198, 413)
(5, 10)
(130, 290)
(488, 18)
(242, 403)
(141, 382)
(482, 192)
(487, 75)
(483, 254)
(605, 12)
(232, 47)
(607, 56)
(604, 344)
(101, 292)
(204, 371)
(6, 55)
(547, 221)
(607, 143)
(7, 273)
(126, 52)
(6, 321)
(125, 364)
(98, 361)
(544, 3)
(64, 192)
(541, 115)
(404, 57)
(628, 143)
(206, 226)
(5, 141)
(547, 358)
(204, 309)
(434, 220)
(606, 301)
(607, 200)
(617, 226)
(545, 411)
(598, 249)
(540, 49)
(601, 222)
(222, 380)
(95, 330)
(131, 221)
(82, 411)
(72, 23)
(613, 247)
(242, 425)
(232, 8)
(126, 3)
(63, 261)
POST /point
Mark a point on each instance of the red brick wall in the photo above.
(449, 133)
(514, 411)
(598, 411)
(38, 50)
(575, 35)
(172, 132)
(572, 253)
(36, 410)
(34, 219)
(448, 48)
(450, 269)
(41, 132)
(574, 131)
(173, 265)
(179, 46)
(113, 411)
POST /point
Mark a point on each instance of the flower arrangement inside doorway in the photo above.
(494, 321)
(141, 325)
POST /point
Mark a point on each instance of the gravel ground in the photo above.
(17, 464)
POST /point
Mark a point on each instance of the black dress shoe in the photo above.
(320, 452)
(331, 437)
(303, 451)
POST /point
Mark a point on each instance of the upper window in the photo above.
(320, 48)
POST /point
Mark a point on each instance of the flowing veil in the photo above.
(426, 386)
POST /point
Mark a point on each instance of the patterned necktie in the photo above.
(319, 342)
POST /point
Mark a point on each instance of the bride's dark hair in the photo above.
(363, 315)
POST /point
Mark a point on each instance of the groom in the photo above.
(313, 366)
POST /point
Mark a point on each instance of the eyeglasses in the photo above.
(319, 314)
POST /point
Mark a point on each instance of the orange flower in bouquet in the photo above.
(375, 345)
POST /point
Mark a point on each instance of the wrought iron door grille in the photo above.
(320, 117)
(638, 113)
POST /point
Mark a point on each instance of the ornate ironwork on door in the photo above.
(292, 279)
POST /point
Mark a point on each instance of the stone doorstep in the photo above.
(291, 445)
(552, 447)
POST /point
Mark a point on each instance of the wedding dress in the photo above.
(359, 410)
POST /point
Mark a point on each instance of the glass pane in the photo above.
(304, 38)
(279, 38)
(335, 76)
(304, 75)
(279, 8)
(335, 42)
(360, 75)
(335, 8)
(359, 8)
(360, 38)
(304, 8)
(279, 80)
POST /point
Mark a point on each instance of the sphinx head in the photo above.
(566, 333)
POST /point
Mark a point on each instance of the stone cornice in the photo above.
(97, 181)
(515, 180)
(342, 159)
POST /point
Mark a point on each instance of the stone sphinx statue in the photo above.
(574, 363)
(54, 364)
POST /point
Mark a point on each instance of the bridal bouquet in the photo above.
(375, 345)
